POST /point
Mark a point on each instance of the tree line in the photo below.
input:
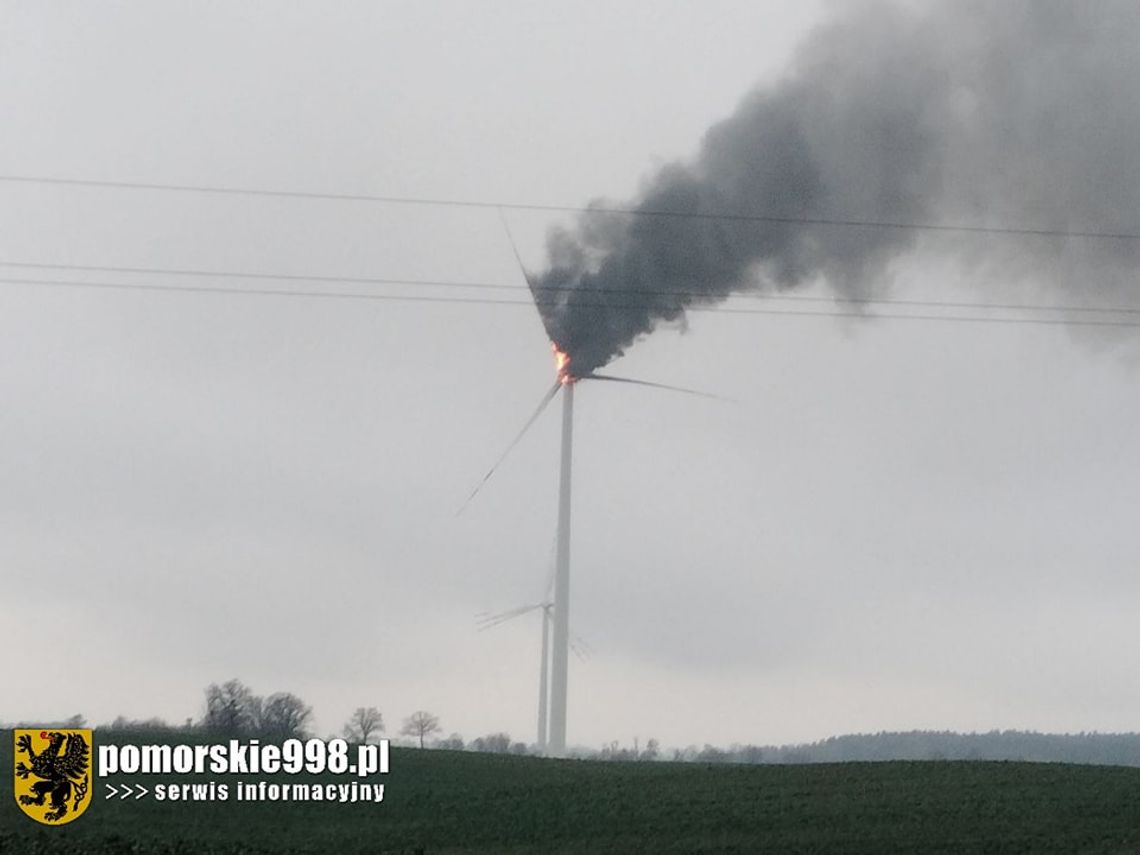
(233, 710)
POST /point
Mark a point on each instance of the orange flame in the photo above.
(562, 364)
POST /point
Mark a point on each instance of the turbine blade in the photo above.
(515, 249)
(503, 617)
(580, 648)
(546, 399)
(496, 619)
(610, 378)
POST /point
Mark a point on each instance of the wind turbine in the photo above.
(577, 645)
(560, 619)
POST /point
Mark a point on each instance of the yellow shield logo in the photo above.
(53, 773)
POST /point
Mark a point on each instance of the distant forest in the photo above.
(1120, 749)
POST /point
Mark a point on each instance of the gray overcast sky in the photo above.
(898, 525)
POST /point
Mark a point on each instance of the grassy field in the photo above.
(439, 802)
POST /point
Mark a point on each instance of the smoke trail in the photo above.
(1021, 113)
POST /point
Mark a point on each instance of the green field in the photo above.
(449, 802)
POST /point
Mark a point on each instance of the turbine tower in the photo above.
(561, 652)
(560, 660)
(544, 681)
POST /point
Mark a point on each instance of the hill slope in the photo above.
(450, 802)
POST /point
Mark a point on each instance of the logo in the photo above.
(53, 774)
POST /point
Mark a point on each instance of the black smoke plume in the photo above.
(1022, 113)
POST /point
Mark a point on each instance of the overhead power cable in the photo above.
(282, 277)
(414, 298)
(555, 289)
(731, 216)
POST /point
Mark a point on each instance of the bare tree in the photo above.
(229, 708)
(452, 743)
(492, 743)
(712, 754)
(285, 716)
(256, 713)
(420, 724)
(136, 724)
(364, 722)
(614, 751)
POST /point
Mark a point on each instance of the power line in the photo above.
(578, 209)
(267, 292)
(555, 289)
(134, 286)
(230, 274)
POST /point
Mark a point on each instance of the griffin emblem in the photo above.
(52, 783)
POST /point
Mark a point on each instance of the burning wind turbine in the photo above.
(893, 122)
(566, 378)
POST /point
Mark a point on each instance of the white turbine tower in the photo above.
(560, 654)
(560, 664)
